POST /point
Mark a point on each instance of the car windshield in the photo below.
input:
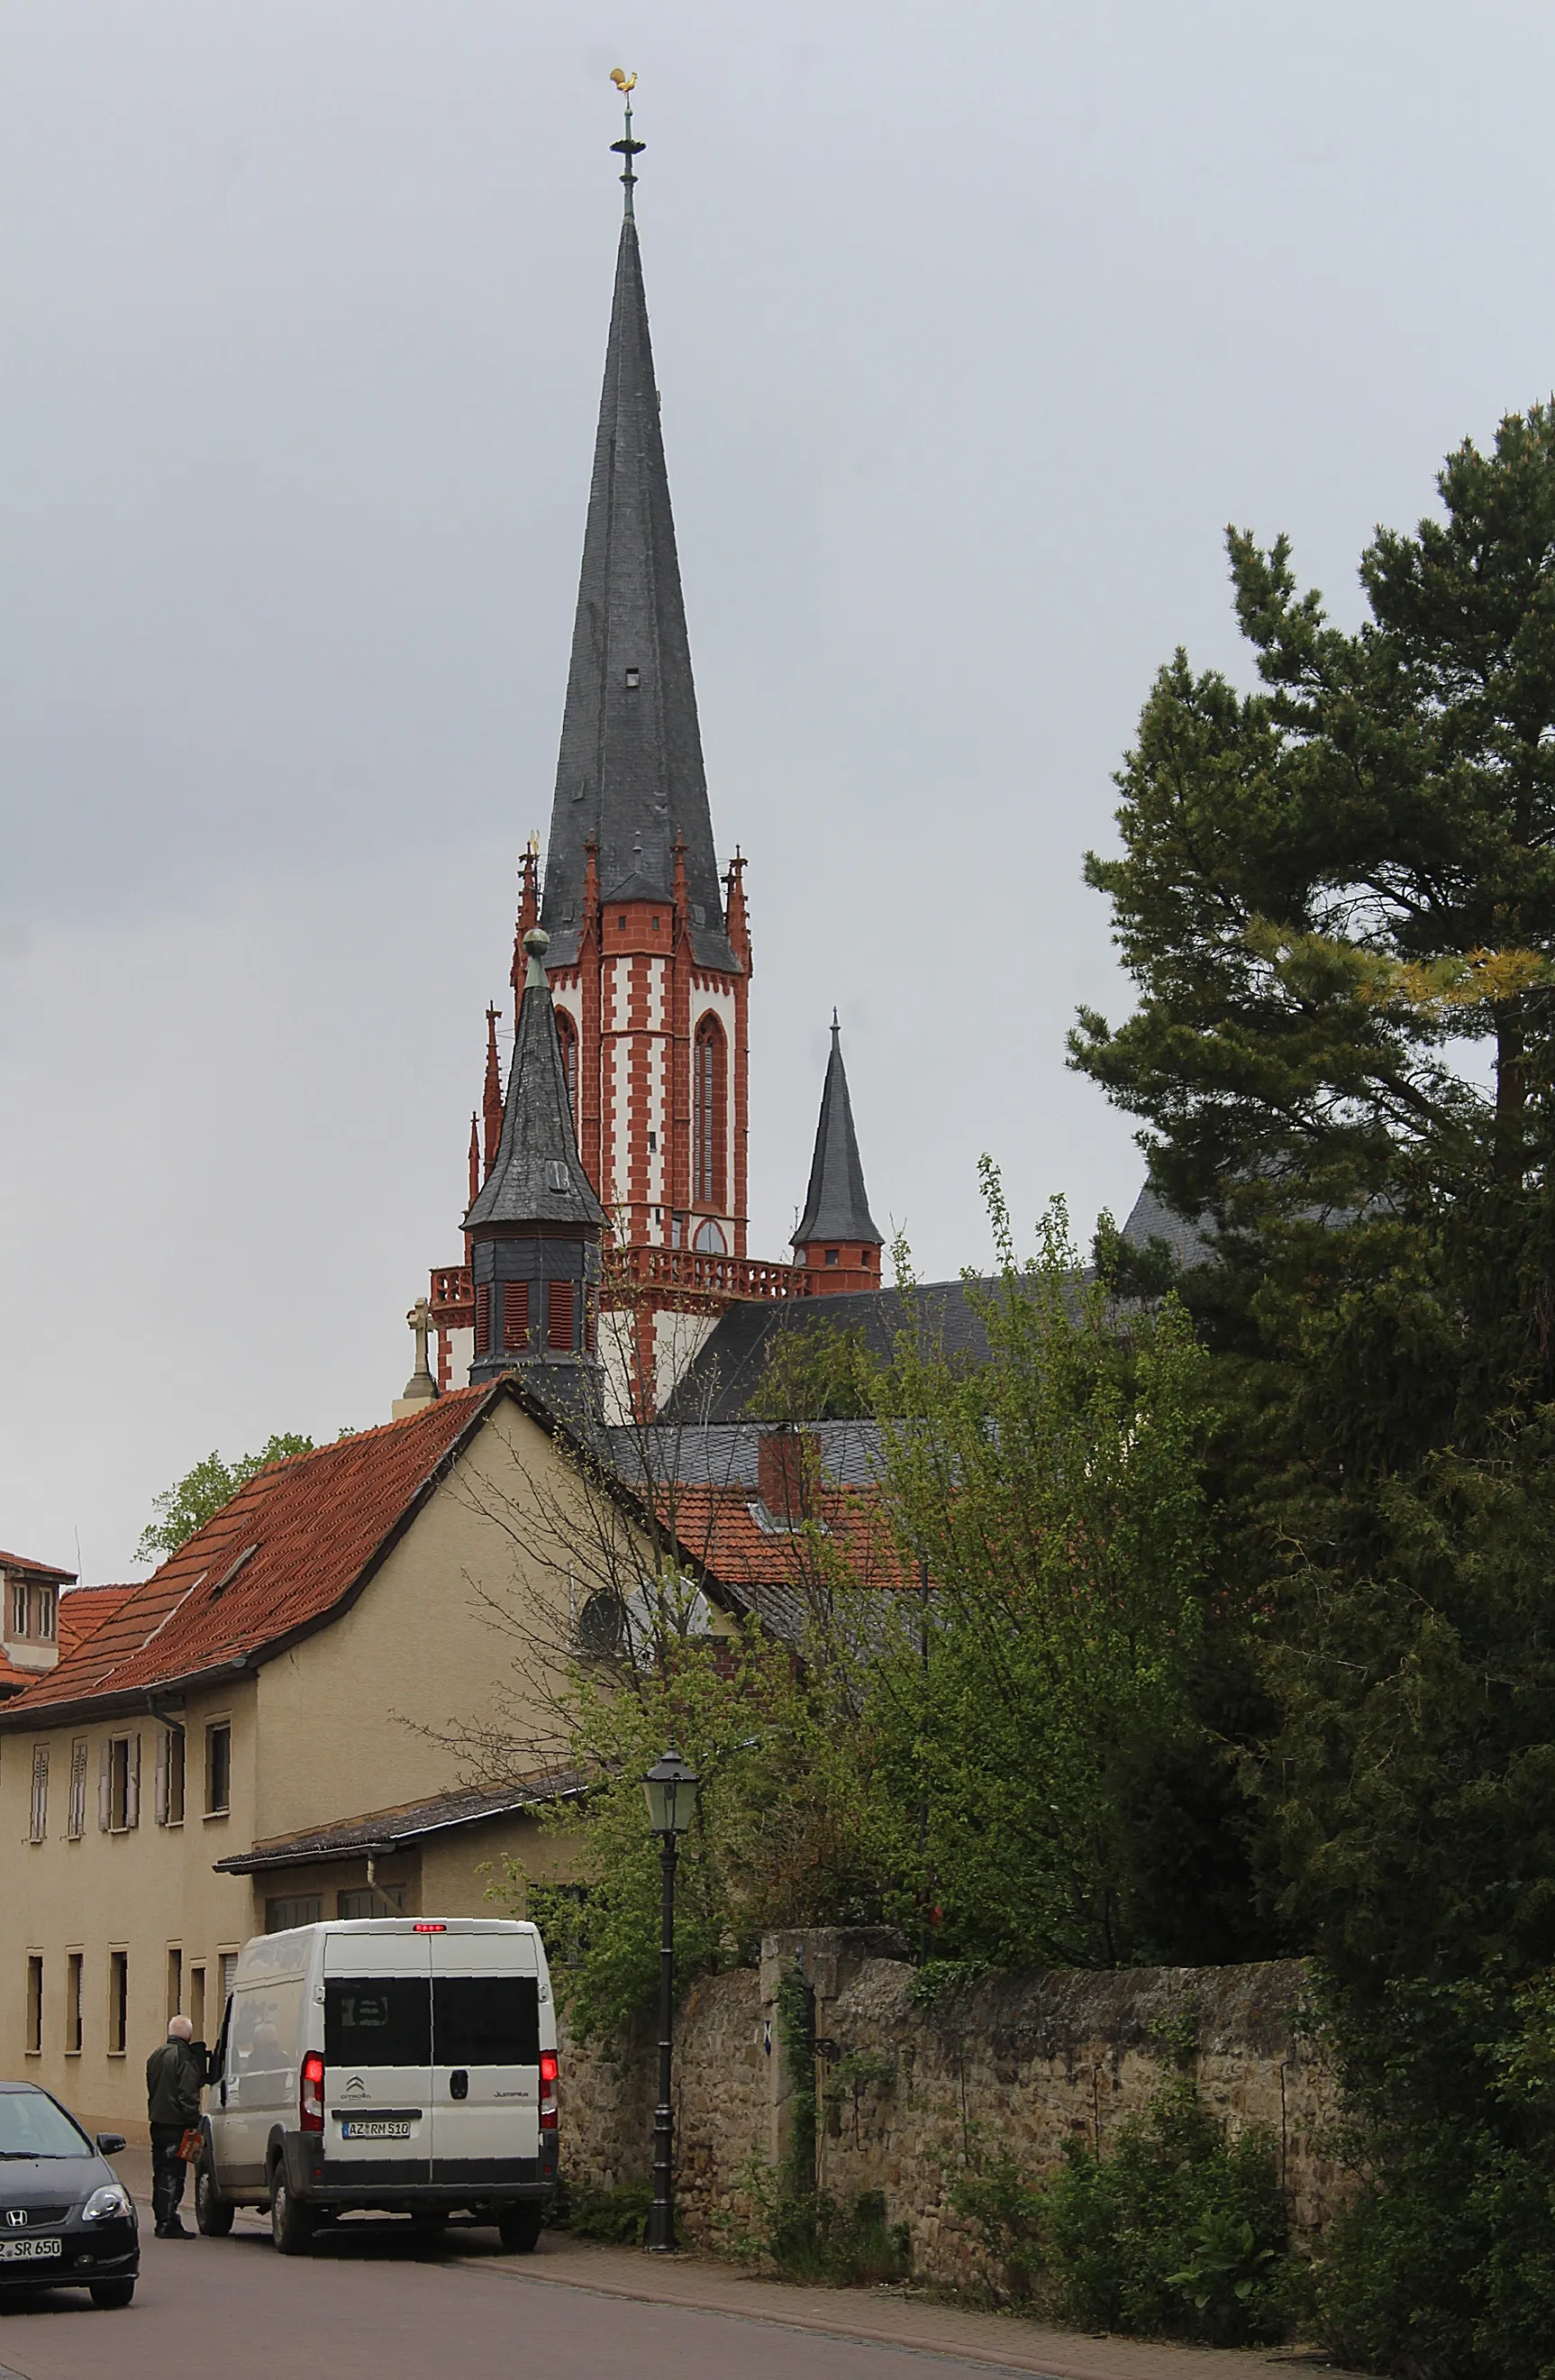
(32, 2126)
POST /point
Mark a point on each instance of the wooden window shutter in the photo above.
(515, 1314)
(483, 1318)
(159, 1789)
(559, 1314)
(105, 1784)
(132, 1783)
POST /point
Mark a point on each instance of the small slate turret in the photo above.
(837, 1238)
(536, 1228)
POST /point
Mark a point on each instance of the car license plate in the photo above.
(21, 2252)
(374, 2128)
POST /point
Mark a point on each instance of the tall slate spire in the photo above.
(837, 1207)
(629, 777)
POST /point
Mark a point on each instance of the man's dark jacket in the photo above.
(175, 2077)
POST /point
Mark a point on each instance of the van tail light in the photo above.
(313, 2092)
(548, 2071)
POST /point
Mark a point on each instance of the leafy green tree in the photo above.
(784, 1831)
(184, 1507)
(1053, 1496)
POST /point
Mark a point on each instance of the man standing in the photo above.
(175, 2078)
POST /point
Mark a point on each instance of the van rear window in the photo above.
(486, 2021)
(378, 2020)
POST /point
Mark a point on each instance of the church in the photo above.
(340, 1695)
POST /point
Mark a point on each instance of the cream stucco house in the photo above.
(265, 1731)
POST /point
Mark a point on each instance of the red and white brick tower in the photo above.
(650, 951)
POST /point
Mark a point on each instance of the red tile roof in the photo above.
(723, 1529)
(84, 1608)
(36, 1568)
(283, 1556)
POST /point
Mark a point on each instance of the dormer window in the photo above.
(18, 1606)
(46, 1609)
(633, 680)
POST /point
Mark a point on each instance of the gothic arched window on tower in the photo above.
(709, 1115)
(567, 1037)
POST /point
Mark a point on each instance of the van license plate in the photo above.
(374, 2128)
(19, 2252)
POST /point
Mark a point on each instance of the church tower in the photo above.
(649, 955)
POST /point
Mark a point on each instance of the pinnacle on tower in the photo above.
(630, 774)
(535, 1229)
(837, 1237)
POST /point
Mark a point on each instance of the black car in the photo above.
(66, 2220)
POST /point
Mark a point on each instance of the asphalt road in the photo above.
(374, 2303)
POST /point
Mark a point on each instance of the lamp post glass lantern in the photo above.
(671, 1787)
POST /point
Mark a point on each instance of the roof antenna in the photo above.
(627, 147)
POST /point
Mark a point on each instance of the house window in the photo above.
(118, 2002)
(709, 1106)
(118, 1785)
(18, 1606)
(73, 2005)
(173, 1755)
(515, 1314)
(293, 1909)
(174, 1982)
(567, 1040)
(218, 1769)
(483, 1318)
(46, 1612)
(229, 1972)
(710, 1240)
(633, 679)
(834, 1256)
(559, 1316)
(197, 2002)
(75, 1824)
(39, 1817)
(35, 2006)
(376, 1901)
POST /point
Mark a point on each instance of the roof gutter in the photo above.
(90, 1708)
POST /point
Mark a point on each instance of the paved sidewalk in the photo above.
(884, 2317)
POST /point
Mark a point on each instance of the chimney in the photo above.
(788, 1465)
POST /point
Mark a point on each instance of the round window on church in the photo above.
(710, 1240)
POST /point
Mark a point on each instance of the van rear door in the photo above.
(486, 2060)
(378, 2059)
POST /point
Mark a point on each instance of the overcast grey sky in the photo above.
(974, 324)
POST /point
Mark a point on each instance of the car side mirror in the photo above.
(110, 2143)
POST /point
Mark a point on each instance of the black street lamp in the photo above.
(672, 1789)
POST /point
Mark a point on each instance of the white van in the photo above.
(394, 2063)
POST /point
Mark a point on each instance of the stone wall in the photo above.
(905, 2093)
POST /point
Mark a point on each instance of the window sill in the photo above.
(74, 2053)
(33, 2053)
(218, 1814)
(115, 2053)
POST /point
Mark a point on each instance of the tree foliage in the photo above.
(184, 1507)
(1052, 1499)
(1336, 897)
